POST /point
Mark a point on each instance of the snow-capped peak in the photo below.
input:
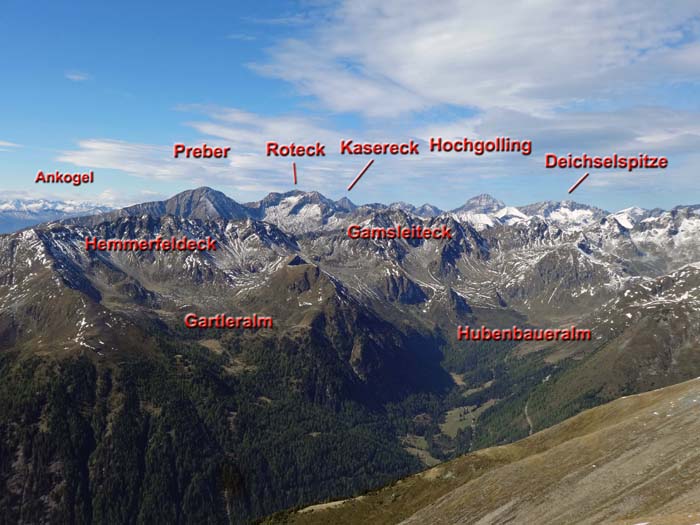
(630, 216)
(511, 215)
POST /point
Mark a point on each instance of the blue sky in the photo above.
(111, 87)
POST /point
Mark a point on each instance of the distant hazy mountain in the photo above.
(20, 213)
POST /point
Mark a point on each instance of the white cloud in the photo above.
(77, 76)
(660, 131)
(397, 56)
(143, 160)
(8, 146)
(247, 169)
(119, 198)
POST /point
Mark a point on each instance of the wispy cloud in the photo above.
(248, 169)
(625, 131)
(393, 57)
(8, 146)
(77, 76)
(144, 160)
(118, 198)
(570, 76)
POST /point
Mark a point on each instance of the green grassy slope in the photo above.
(625, 462)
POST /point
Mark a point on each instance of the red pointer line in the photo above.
(352, 184)
(578, 183)
(294, 168)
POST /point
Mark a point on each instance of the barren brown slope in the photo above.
(631, 461)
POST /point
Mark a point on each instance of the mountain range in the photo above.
(21, 213)
(119, 413)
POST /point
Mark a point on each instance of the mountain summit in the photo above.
(202, 203)
(483, 203)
